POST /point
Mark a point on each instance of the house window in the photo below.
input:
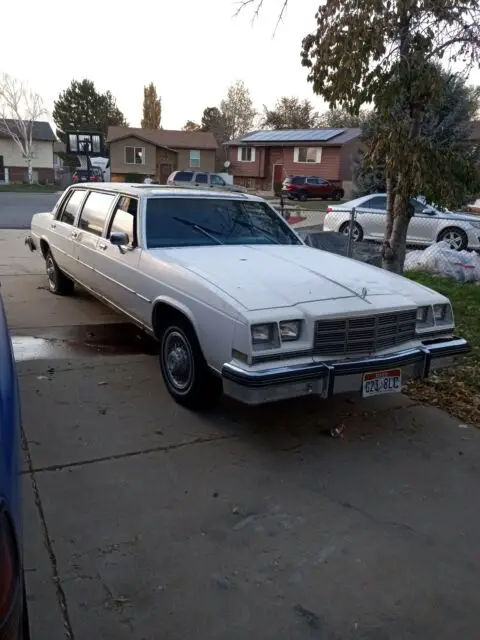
(246, 154)
(194, 159)
(134, 155)
(307, 154)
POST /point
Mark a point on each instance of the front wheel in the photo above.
(58, 282)
(302, 196)
(456, 238)
(357, 232)
(186, 375)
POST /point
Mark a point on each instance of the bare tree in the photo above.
(257, 6)
(237, 110)
(20, 108)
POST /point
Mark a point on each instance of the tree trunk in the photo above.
(395, 243)
(30, 170)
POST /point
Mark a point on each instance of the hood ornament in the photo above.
(364, 293)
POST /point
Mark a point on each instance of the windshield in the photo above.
(186, 222)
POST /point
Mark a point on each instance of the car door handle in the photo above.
(53, 225)
(74, 234)
(102, 245)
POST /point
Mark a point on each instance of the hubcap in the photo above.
(50, 271)
(178, 361)
(355, 232)
(454, 239)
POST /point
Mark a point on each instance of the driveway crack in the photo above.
(130, 454)
(60, 594)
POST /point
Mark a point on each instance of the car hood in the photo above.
(273, 276)
(459, 215)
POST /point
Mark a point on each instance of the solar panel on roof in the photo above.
(293, 135)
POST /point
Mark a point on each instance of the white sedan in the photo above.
(428, 224)
(236, 300)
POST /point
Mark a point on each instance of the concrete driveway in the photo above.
(17, 209)
(145, 521)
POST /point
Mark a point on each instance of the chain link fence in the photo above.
(437, 242)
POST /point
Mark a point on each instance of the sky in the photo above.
(191, 49)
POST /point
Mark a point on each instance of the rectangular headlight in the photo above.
(264, 334)
(422, 315)
(289, 330)
(439, 312)
(425, 317)
(443, 314)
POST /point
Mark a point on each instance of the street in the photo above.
(16, 209)
(146, 521)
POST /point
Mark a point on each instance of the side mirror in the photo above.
(119, 239)
(429, 212)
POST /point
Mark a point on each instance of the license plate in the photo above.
(379, 382)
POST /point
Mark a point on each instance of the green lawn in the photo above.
(29, 188)
(457, 390)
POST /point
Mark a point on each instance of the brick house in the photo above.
(158, 152)
(13, 166)
(263, 159)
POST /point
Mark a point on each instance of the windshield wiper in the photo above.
(250, 225)
(199, 228)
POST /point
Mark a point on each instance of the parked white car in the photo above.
(428, 224)
(237, 300)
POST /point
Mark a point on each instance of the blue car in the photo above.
(13, 604)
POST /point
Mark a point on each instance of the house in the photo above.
(263, 159)
(13, 166)
(158, 152)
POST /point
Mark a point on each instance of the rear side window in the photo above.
(379, 202)
(124, 218)
(214, 179)
(201, 178)
(183, 176)
(70, 208)
(95, 212)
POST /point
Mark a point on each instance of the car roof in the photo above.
(192, 171)
(361, 200)
(165, 191)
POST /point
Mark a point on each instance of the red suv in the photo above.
(304, 187)
(81, 175)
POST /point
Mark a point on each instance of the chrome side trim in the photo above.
(120, 284)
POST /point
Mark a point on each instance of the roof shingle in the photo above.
(166, 137)
(41, 131)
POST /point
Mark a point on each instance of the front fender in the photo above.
(176, 304)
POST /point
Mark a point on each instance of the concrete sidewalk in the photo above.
(25, 292)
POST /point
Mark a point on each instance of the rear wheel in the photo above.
(456, 238)
(58, 282)
(337, 196)
(357, 232)
(185, 372)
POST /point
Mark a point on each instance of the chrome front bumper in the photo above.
(326, 379)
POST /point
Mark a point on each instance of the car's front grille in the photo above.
(366, 334)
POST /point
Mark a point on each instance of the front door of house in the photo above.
(165, 171)
(2, 170)
(277, 178)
